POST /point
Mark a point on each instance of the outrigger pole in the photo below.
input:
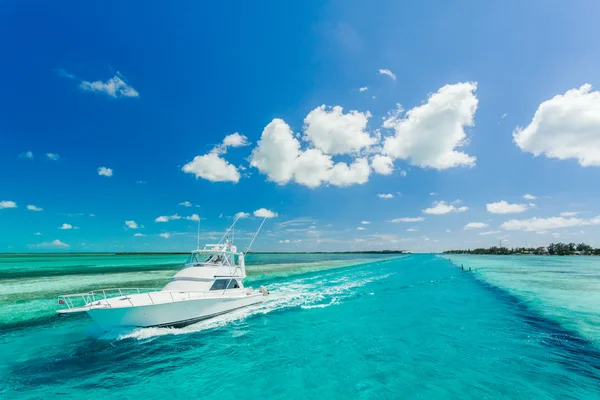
(254, 237)
(198, 244)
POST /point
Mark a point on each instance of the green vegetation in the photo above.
(553, 249)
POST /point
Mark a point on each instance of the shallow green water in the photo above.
(335, 327)
(563, 289)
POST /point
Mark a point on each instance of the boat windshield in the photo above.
(213, 259)
(193, 259)
(196, 258)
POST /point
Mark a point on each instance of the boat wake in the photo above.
(310, 293)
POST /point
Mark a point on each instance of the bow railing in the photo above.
(109, 298)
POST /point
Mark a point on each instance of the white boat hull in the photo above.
(171, 314)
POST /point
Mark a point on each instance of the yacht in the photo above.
(211, 283)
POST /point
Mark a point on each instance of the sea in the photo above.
(335, 326)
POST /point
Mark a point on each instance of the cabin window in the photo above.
(233, 284)
(220, 284)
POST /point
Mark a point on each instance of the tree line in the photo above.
(553, 249)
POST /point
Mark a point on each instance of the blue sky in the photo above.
(495, 101)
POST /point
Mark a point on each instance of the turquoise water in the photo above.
(336, 327)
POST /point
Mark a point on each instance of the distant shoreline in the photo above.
(81, 254)
(553, 249)
(518, 254)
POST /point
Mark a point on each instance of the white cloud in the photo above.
(53, 156)
(343, 174)
(502, 207)
(54, 244)
(383, 165)
(312, 167)
(278, 155)
(114, 87)
(131, 224)
(564, 127)
(215, 168)
(193, 217)
(139, 234)
(503, 116)
(276, 152)
(545, 224)
(27, 155)
(363, 89)
(333, 132)
(568, 213)
(360, 228)
(264, 213)
(67, 226)
(167, 218)
(103, 171)
(475, 225)
(242, 215)
(365, 222)
(529, 197)
(212, 168)
(34, 208)
(441, 207)
(385, 195)
(408, 219)
(235, 140)
(284, 241)
(488, 233)
(185, 204)
(165, 235)
(388, 73)
(412, 230)
(429, 134)
(8, 204)
(37, 234)
(64, 74)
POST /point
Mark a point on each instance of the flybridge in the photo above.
(212, 255)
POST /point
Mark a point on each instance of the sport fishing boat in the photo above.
(210, 284)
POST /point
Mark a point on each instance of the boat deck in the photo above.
(104, 299)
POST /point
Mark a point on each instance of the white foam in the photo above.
(331, 303)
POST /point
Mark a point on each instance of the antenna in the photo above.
(198, 243)
(254, 237)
